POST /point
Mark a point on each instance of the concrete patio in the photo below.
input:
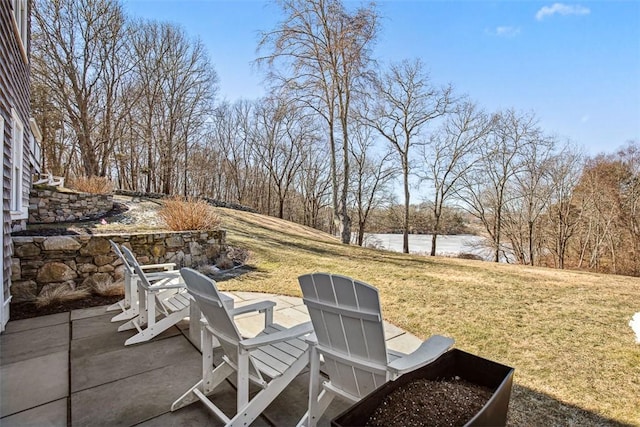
(73, 369)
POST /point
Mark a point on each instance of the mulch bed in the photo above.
(27, 310)
(450, 402)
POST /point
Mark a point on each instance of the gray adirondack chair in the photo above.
(166, 299)
(129, 305)
(271, 360)
(349, 330)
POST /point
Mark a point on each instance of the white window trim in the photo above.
(20, 16)
(17, 207)
(4, 304)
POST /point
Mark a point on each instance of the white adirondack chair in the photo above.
(129, 305)
(349, 330)
(167, 299)
(277, 353)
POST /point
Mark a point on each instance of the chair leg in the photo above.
(216, 377)
(125, 303)
(242, 392)
(127, 289)
(120, 305)
(252, 410)
(319, 399)
(156, 328)
(127, 326)
(128, 314)
(195, 326)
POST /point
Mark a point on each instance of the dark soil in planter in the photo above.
(26, 310)
(450, 402)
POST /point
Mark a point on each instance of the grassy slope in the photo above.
(566, 333)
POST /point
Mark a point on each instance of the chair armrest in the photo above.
(166, 266)
(166, 283)
(227, 301)
(257, 306)
(276, 337)
(159, 288)
(428, 351)
(167, 274)
(311, 339)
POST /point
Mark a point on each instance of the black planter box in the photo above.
(453, 363)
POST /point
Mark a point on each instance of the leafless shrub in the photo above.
(109, 289)
(224, 262)
(190, 214)
(92, 184)
(60, 294)
(239, 256)
(466, 255)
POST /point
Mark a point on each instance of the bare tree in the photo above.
(170, 93)
(485, 190)
(279, 139)
(562, 215)
(607, 195)
(630, 156)
(56, 149)
(146, 44)
(530, 195)
(450, 155)
(314, 185)
(189, 84)
(323, 51)
(406, 102)
(373, 173)
(231, 131)
(79, 45)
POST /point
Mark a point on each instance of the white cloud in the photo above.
(507, 31)
(561, 9)
(585, 118)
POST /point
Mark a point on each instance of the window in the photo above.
(17, 147)
(35, 141)
(21, 17)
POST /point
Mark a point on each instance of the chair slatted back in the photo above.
(116, 249)
(132, 262)
(211, 303)
(347, 320)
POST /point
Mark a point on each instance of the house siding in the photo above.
(14, 95)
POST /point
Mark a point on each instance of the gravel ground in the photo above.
(128, 214)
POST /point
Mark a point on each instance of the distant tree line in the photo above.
(135, 101)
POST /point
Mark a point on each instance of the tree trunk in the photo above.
(531, 258)
(405, 225)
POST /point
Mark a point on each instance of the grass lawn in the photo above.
(565, 333)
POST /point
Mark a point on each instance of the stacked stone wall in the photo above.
(47, 205)
(41, 263)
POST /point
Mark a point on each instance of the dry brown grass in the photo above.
(60, 294)
(566, 333)
(191, 214)
(109, 289)
(93, 185)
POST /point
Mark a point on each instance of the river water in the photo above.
(421, 243)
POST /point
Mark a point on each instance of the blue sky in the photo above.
(576, 65)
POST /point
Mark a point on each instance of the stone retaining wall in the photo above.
(43, 263)
(48, 205)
